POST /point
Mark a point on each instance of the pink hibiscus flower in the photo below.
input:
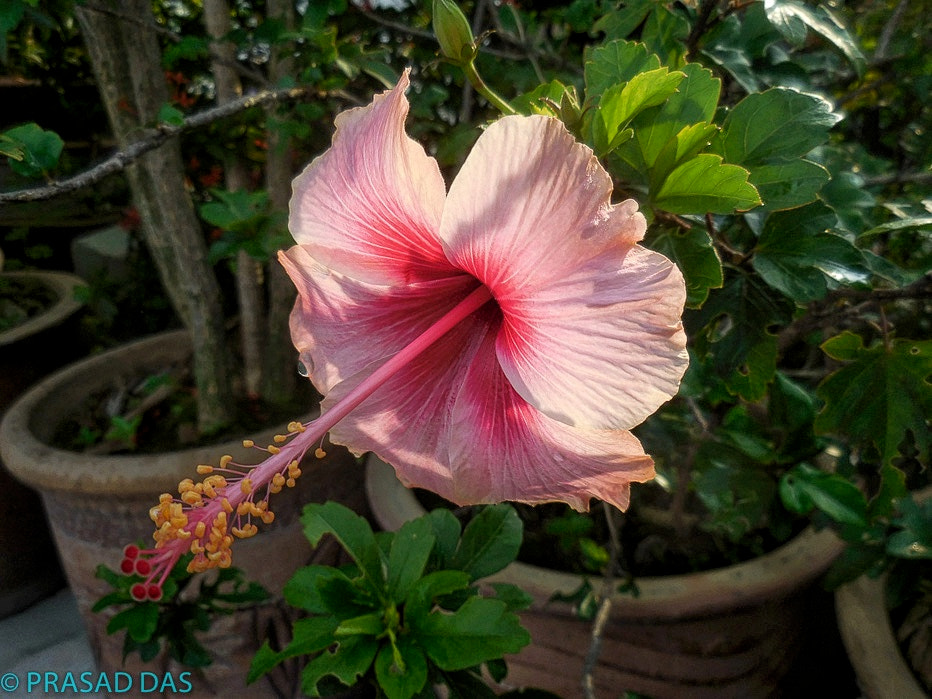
(529, 398)
(494, 342)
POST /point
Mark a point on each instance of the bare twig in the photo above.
(603, 613)
(889, 29)
(150, 139)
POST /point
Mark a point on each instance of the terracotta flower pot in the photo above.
(29, 569)
(864, 623)
(98, 504)
(729, 632)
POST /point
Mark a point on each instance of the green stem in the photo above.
(479, 84)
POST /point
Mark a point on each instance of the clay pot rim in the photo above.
(63, 284)
(795, 564)
(44, 467)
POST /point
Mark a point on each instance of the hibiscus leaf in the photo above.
(490, 541)
(793, 18)
(309, 636)
(796, 255)
(706, 185)
(733, 330)
(482, 629)
(880, 394)
(695, 255)
(411, 548)
(836, 496)
(401, 669)
(680, 124)
(352, 532)
(778, 124)
(613, 63)
(350, 659)
(621, 103)
(790, 184)
(446, 529)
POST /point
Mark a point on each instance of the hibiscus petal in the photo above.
(370, 206)
(406, 421)
(502, 448)
(602, 348)
(592, 333)
(531, 204)
(341, 325)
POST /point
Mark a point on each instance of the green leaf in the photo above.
(735, 331)
(482, 629)
(446, 529)
(881, 393)
(410, 550)
(798, 257)
(915, 539)
(347, 662)
(140, 621)
(613, 63)
(372, 624)
(695, 255)
(403, 675)
(899, 225)
(490, 541)
(788, 185)
(706, 185)
(620, 103)
(303, 590)
(422, 594)
(778, 124)
(31, 150)
(694, 102)
(834, 495)
(170, 115)
(352, 532)
(792, 18)
(310, 635)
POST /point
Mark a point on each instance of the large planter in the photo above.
(730, 632)
(29, 569)
(96, 505)
(864, 622)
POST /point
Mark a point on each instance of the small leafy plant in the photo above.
(174, 619)
(408, 613)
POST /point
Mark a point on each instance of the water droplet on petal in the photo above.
(303, 370)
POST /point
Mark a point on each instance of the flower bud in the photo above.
(453, 32)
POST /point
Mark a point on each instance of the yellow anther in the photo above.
(268, 517)
(227, 507)
(245, 486)
(279, 438)
(165, 497)
(191, 498)
(294, 472)
(204, 469)
(278, 479)
(290, 482)
(320, 453)
(276, 488)
(262, 506)
(248, 443)
(185, 485)
(225, 460)
(243, 508)
(200, 529)
(273, 449)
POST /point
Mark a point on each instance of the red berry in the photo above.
(143, 566)
(138, 592)
(154, 592)
(131, 551)
(127, 566)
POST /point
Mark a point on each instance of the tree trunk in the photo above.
(280, 375)
(236, 175)
(126, 60)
